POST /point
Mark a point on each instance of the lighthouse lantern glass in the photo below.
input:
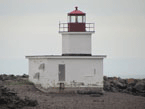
(84, 19)
(76, 19)
(73, 19)
(80, 19)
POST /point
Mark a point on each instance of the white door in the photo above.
(61, 72)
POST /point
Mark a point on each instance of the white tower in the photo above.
(76, 34)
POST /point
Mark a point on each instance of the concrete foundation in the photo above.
(71, 90)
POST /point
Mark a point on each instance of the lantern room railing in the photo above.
(89, 27)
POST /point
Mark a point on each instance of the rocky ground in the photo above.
(16, 92)
(130, 86)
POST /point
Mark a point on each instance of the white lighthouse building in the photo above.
(76, 68)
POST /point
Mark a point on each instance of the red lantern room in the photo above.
(76, 23)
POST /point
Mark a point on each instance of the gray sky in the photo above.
(30, 27)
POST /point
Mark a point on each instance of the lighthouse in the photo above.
(76, 34)
(76, 68)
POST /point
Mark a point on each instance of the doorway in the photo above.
(61, 73)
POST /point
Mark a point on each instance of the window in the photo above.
(84, 19)
(73, 19)
(80, 19)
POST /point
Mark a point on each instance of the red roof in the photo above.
(76, 12)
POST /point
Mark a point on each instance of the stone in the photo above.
(105, 78)
(130, 86)
(106, 86)
(25, 76)
(113, 89)
(140, 86)
(119, 84)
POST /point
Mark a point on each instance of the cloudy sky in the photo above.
(30, 27)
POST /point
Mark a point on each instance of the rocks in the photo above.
(10, 100)
(130, 86)
(25, 76)
(112, 89)
(107, 85)
(4, 77)
(120, 85)
(105, 78)
(29, 102)
(140, 86)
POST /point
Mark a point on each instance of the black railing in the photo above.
(89, 27)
